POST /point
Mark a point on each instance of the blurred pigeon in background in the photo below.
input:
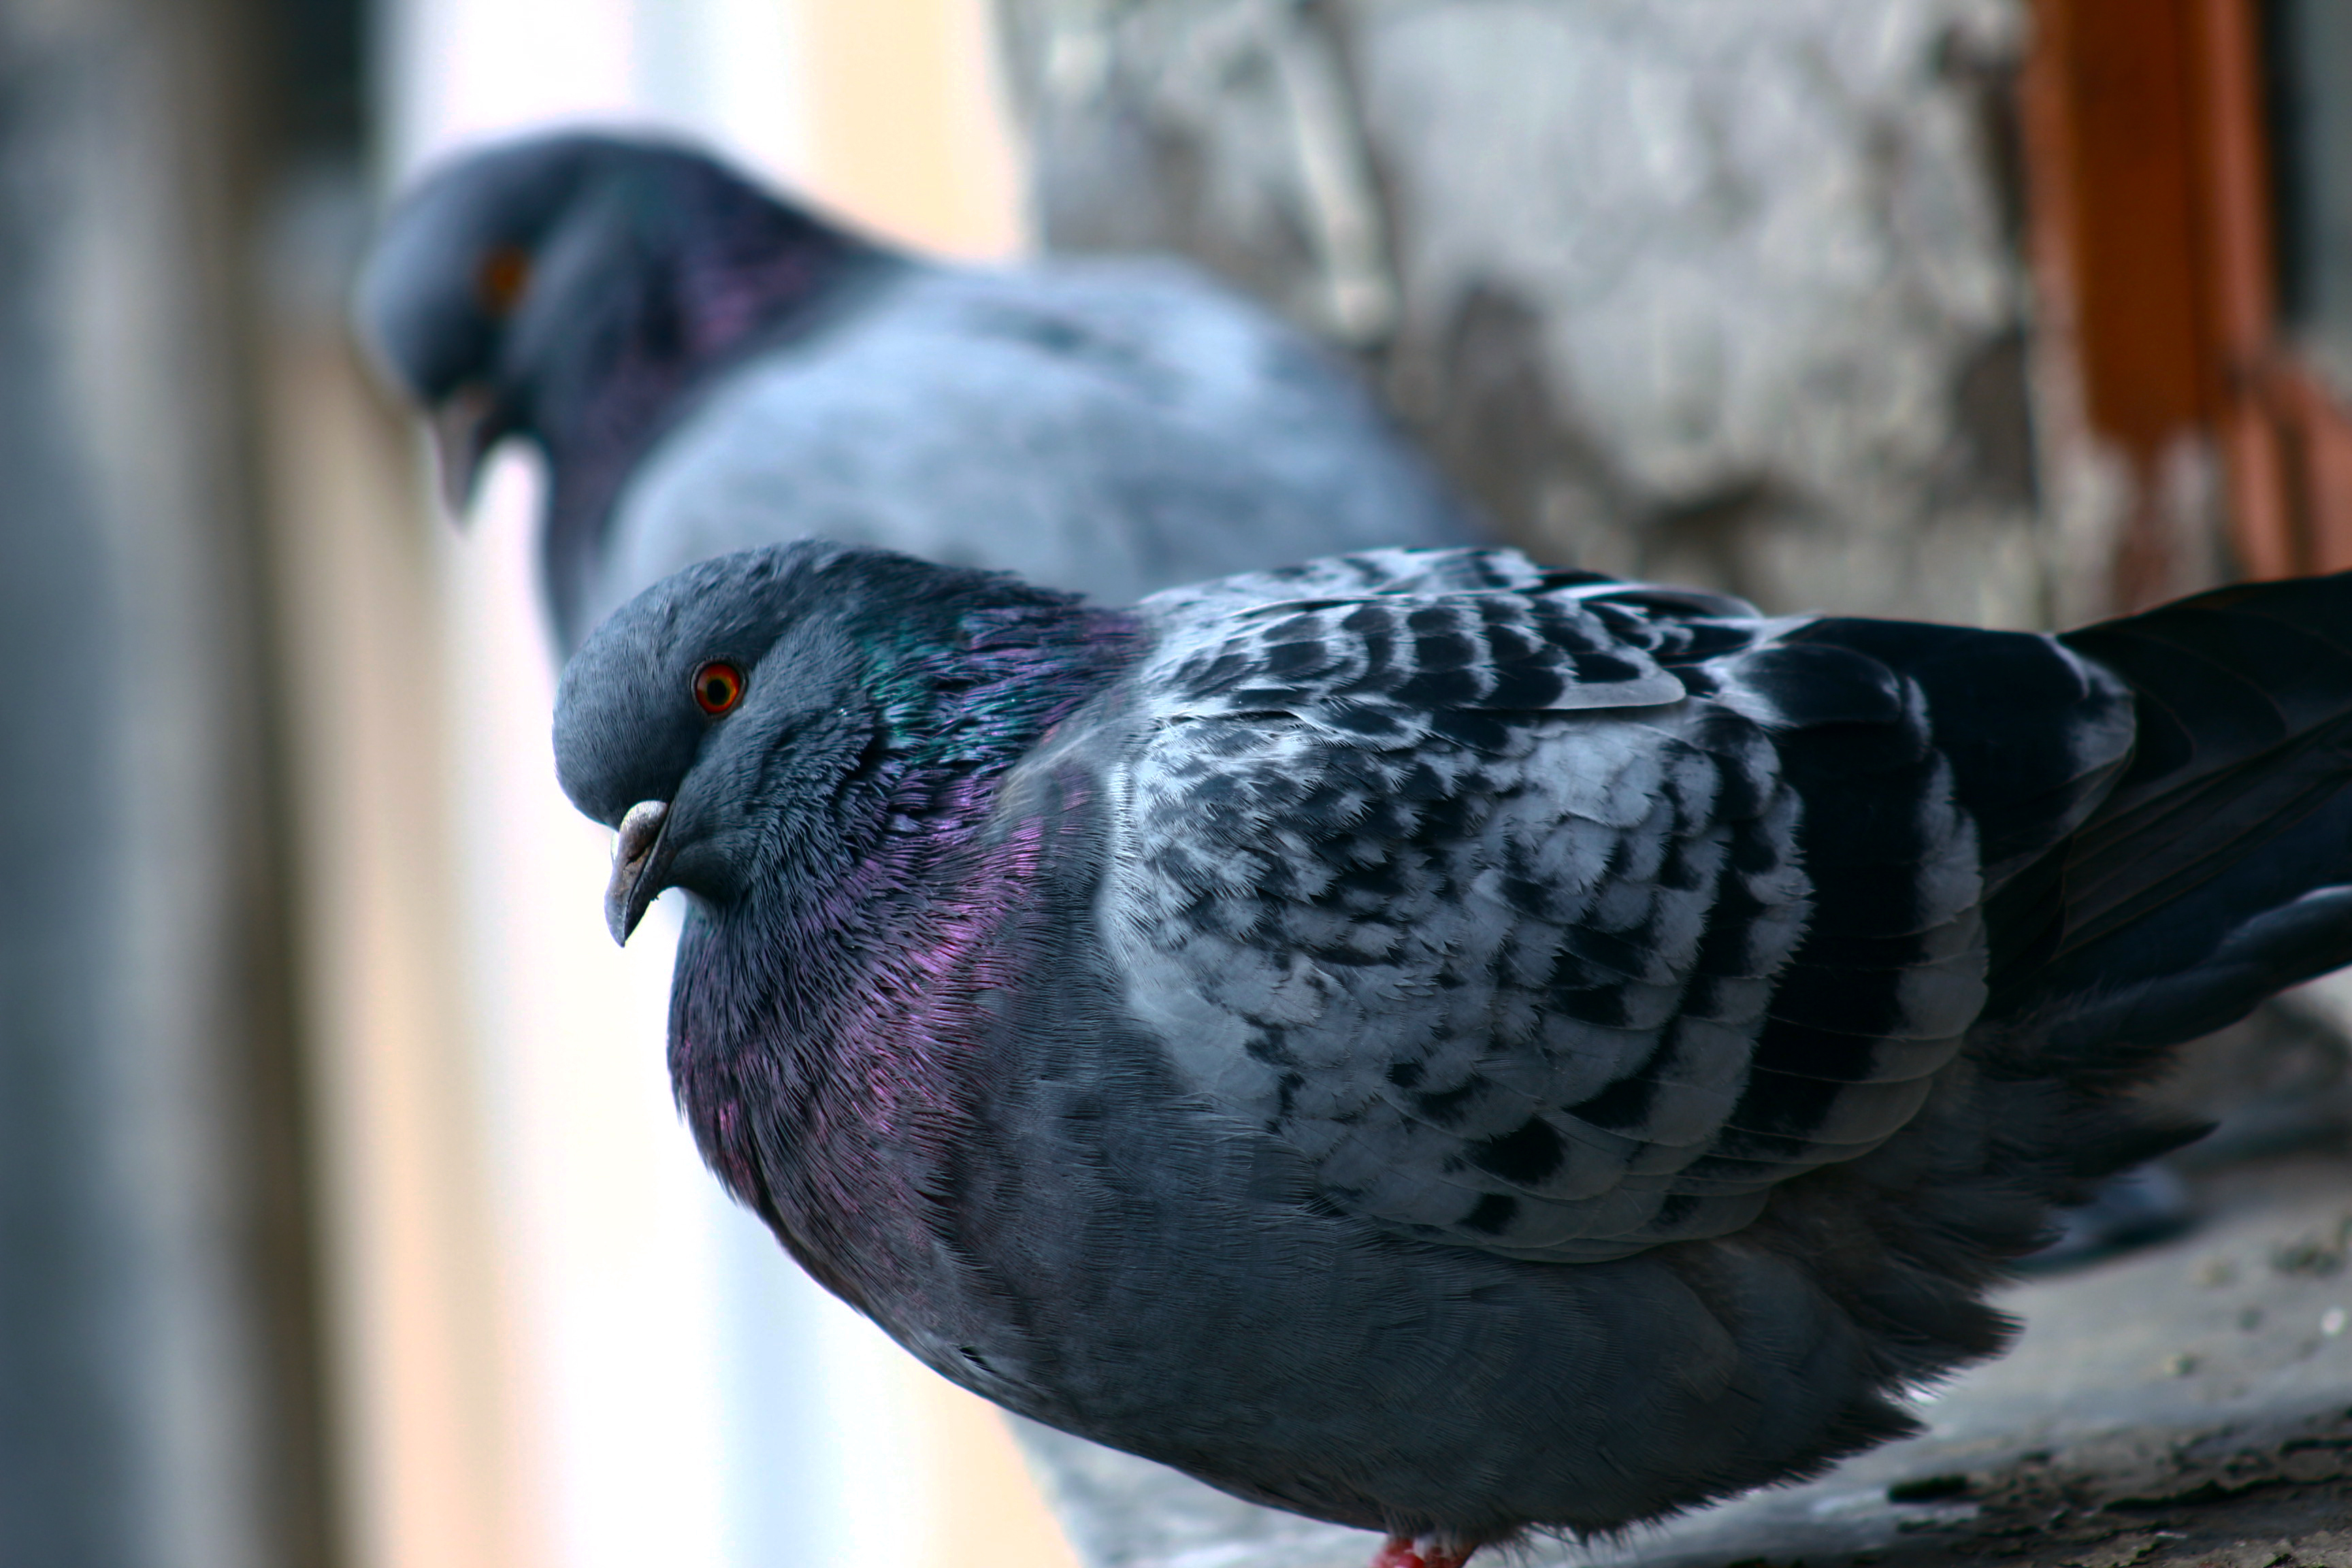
(708, 368)
(1432, 1043)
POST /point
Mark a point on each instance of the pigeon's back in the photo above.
(1111, 427)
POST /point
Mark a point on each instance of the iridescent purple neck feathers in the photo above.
(894, 964)
(754, 273)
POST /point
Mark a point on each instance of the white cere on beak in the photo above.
(627, 895)
(638, 830)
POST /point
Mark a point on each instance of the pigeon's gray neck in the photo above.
(597, 427)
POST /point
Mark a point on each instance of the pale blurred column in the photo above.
(417, 1283)
(571, 1350)
(905, 127)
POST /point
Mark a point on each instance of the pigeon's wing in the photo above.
(1433, 571)
(1565, 918)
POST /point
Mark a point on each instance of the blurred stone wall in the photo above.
(1725, 293)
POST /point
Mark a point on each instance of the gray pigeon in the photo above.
(708, 368)
(1432, 1043)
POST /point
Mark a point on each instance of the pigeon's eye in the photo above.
(717, 686)
(503, 275)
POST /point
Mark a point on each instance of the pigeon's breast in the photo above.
(842, 1064)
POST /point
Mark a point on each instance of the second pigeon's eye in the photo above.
(717, 686)
(503, 275)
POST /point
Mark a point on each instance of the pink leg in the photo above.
(1406, 1551)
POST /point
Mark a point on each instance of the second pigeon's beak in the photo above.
(466, 425)
(631, 890)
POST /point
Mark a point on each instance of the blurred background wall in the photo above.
(344, 1216)
(1729, 293)
(160, 1367)
(1987, 310)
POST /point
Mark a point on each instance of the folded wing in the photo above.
(1562, 917)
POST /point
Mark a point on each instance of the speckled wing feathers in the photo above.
(1561, 917)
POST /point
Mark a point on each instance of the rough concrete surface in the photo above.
(2189, 1403)
(1732, 294)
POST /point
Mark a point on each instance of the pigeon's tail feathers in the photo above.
(2219, 868)
(2151, 880)
(2029, 734)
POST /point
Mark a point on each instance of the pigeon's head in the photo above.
(743, 721)
(561, 285)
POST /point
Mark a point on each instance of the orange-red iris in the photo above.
(717, 686)
(503, 275)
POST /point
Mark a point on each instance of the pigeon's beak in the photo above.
(631, 890)
(466, 425)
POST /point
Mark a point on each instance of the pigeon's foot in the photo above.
(1422, 1551)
